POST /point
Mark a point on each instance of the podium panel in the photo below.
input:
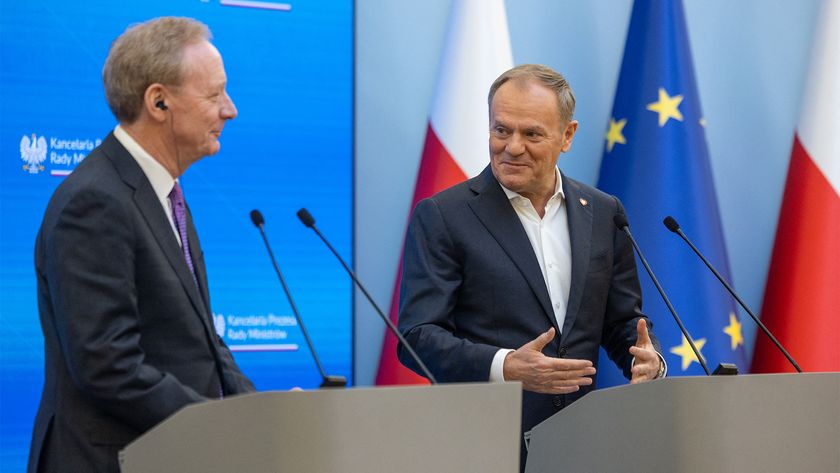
(455, 427)
(765, 423)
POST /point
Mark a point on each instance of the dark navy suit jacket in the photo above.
(471, 285)
(128, 337)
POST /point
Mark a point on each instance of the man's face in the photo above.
(200, 105)
(526, 137)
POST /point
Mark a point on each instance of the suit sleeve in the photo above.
(431, 278)
(89, 268)
(235, 380)
(624, 302)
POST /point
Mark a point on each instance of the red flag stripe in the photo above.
(800, 300)
(438, 171)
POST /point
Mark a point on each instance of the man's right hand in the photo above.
(543, 374)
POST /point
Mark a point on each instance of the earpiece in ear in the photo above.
(161, 105)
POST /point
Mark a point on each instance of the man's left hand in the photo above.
(647, 364)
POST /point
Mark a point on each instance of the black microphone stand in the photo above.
(672, 225)
(328, 381)
(307, 219)
(620, 221)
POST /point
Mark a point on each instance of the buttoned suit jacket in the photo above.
(128, 337)
(471, 285)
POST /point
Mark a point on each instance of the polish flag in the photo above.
(476, 50)
(801, 300)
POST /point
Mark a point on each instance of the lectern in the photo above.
(762, 423)
(455, 427)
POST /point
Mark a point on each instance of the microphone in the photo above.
(620, 221)
(307, 219)
(672, 225)
(328, 381)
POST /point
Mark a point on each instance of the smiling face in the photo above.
(200, 106)
(527, 136)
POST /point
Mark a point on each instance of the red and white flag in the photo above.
(476, 50)
(801, 300)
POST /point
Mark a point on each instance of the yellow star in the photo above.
(666, 107)
(734, 331)
(614, 134)
(687, 353)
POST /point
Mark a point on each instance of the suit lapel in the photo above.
(579, 211)
(150, 207)
(198, 259)
(493, 209)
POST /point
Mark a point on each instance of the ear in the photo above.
(569, 134)
(154, 94)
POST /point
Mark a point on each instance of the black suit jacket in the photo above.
(471, 285)
(128, 337)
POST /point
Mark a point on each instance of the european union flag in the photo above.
(656, 161)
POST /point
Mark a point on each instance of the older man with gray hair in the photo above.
(122, 288)
(519, 274)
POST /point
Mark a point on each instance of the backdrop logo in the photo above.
(61, 155)
(33, 152)
(260, 332)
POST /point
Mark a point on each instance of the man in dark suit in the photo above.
(520, 273)
(122, 289)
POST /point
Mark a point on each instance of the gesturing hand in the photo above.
(647, 364)
(543, 374)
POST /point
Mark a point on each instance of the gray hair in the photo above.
(546, 76)
(145, 54)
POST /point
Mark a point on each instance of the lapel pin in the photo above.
(583, 201)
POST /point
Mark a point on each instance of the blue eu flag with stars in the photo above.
(657, 162)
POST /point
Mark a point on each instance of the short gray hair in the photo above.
(147, 53)
(546, 76)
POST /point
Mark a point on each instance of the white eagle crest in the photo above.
(33, 152)
(219, 323)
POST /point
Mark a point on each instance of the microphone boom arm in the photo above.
(306, 218)
(621, 222)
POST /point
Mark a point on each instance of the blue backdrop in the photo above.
(290, 75)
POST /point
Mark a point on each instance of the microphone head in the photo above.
(671, 224)
(620, 221)
(257, 218)
(306, 218)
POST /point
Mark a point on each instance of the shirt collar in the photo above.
(160, 179)
(558, 188)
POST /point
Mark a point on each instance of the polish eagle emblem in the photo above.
(33, 152)
(219, 323)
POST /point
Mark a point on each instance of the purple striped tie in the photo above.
(179, 213)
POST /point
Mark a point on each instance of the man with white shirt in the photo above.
(519, 273)
(122, 289)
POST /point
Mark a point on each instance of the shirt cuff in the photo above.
(664, 366)
(497, 368)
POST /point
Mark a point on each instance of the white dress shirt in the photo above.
(549, 238)
(162, 182)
